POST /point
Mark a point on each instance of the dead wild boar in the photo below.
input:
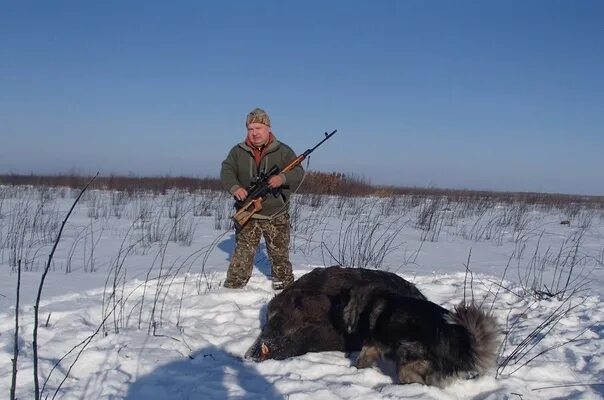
(308, 316)
(428, 343)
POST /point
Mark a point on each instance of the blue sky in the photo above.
(500, 95)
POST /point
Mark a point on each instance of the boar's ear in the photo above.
(355, 302)
(264, 351)
(377, 310)
(259, 351)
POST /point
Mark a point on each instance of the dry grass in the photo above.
(315, 182)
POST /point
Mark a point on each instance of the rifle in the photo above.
(258, 190)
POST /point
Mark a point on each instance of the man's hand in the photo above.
(275, 181)
(240, 194)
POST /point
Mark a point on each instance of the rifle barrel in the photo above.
(327, 136)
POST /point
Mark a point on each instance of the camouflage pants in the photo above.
(276, 235)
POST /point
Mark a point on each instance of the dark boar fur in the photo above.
(308, 316)
(429, 344)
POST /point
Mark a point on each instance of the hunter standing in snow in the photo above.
(258, 154)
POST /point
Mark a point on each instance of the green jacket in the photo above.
(239, 170)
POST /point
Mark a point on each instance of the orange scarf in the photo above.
(258, 153)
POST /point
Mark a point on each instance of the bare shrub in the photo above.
(142, 210)
(515, 216)
(202, 205)
(113, 295)
(176, 203)
(584, 219)
(119, 200)
(16, 233)
(556, 273)
(572, 210)
(521, 224)
(3, 194)
(44, 224)
(89, 262)
(26, 229)
(365, 239)
(527, 349)
(295, 211)
(222, 216)
(429, 219)
(153, 231)
(352, 206)
(306, 226)
(184, 231)
(391, 205)
(519, 349)
(487, 227)
(97, 205)
(316, 200)
(74, 245)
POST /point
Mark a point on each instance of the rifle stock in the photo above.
(253, 203)
(248, 208)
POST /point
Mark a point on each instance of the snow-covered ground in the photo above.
(133, 295)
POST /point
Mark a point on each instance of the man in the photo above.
(259, 153)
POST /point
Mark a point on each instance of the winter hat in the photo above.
(258, 115)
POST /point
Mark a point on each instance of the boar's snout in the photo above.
(259, 351)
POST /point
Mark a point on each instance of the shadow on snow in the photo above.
(261, 261)
(210, 373)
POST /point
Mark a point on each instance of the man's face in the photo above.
(258, 134)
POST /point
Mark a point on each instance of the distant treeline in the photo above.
(334, 183)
